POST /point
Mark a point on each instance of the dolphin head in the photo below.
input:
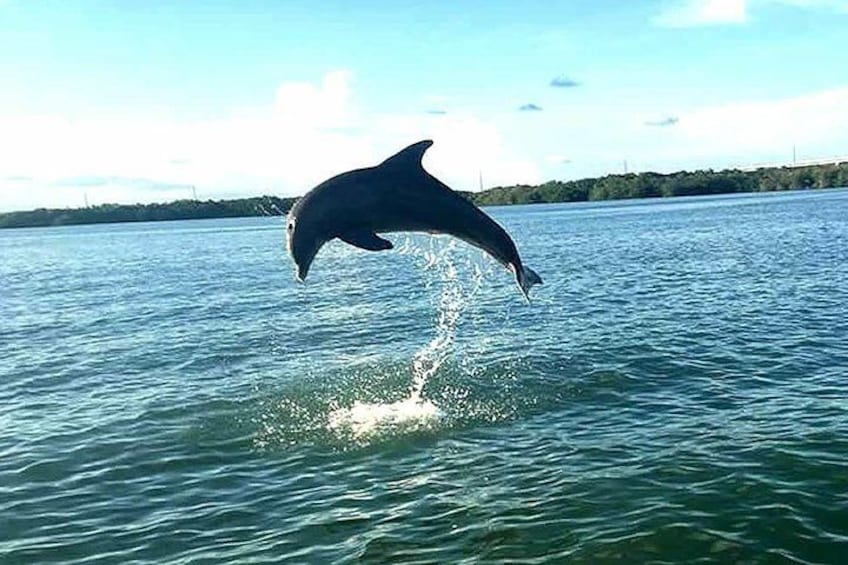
(304, 239)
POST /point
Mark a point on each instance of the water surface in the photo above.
(676, 392)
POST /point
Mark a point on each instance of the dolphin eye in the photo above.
(290, 225)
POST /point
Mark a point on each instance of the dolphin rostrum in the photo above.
(396, 195)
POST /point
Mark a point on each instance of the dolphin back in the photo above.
(439, 209)
(408, 158)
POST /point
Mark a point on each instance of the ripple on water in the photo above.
(674, 394)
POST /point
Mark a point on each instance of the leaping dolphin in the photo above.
(396, 195)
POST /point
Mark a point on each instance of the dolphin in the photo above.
(395, 196)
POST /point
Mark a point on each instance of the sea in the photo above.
(675, 392)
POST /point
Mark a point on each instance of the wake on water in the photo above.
(363, 420)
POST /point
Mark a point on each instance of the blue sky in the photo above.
(138, 102)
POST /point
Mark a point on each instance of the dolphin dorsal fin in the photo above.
(408, 158)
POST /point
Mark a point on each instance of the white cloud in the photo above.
(714, 136)
(835, 5)
(309, 132)
(691, 13)
(813, 118)
(754, 131)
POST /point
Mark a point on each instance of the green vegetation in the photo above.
(641, 185)
(178, 210)
(650, 185)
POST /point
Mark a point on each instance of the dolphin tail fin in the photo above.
(526, 278)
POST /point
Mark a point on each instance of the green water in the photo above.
(677, 391)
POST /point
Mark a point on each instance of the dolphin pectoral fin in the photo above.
(367, 240)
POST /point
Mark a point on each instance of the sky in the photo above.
(112, 101)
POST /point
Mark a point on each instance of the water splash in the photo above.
(363, 421)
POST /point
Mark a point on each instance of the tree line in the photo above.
(632, 185)
(177, 210)
(683, 183)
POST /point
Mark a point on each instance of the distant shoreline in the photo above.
(610, 187)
